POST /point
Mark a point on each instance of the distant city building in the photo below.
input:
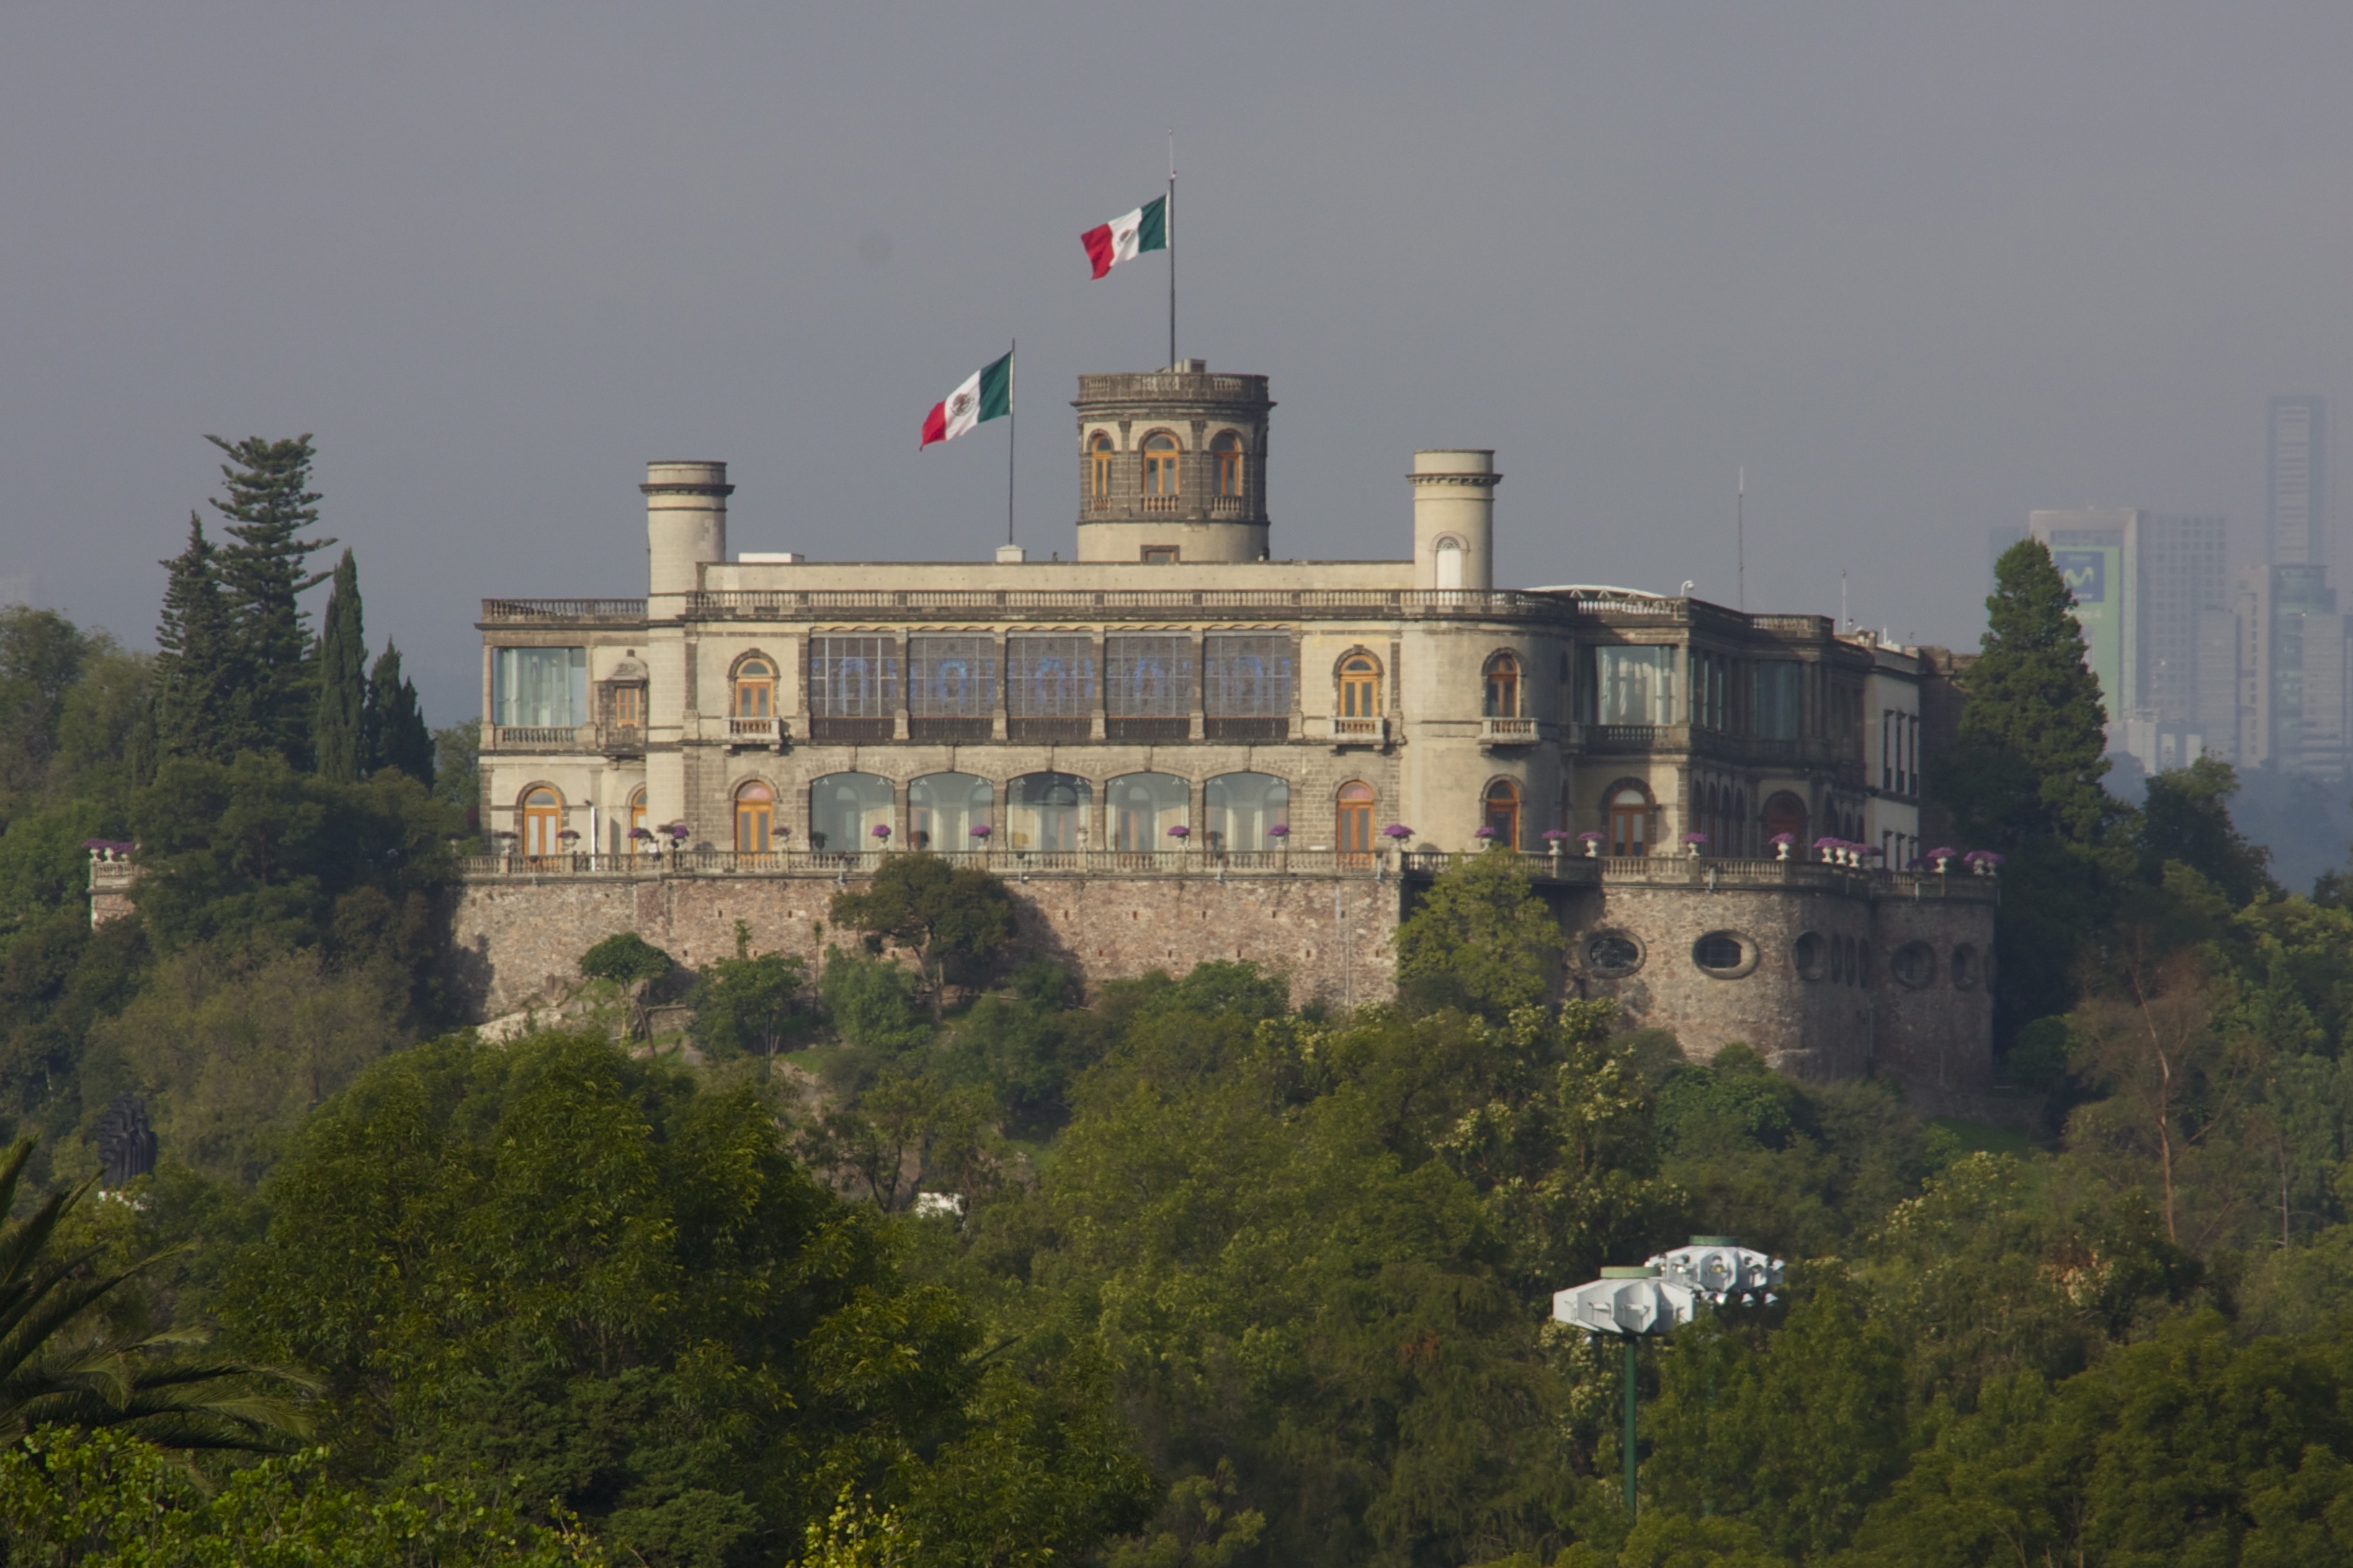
(2294, 473)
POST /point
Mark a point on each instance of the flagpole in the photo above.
(1012, 430)
(1169, 229)
(1740, 536)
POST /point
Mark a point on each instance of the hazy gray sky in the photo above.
(1919, 269)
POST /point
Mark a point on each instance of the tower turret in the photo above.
(686, 522)
(1454, 518)
(1172, 466)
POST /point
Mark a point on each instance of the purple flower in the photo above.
(1180, 831)
(677, 831)
(1828, 843)
(1590, 837)
(1279, 830)
(569, 833)
(641, 832)
(1558, 835)
(1484, 832)
(881, 830)
(1397, 830)
(1694, 838)
(1784, 838)
(981, 830)
(1942, 853)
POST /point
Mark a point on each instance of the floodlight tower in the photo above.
(1655, 1297)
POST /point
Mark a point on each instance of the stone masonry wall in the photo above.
(517, 940)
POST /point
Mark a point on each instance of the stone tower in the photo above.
(1172, 466)
(1454, 518)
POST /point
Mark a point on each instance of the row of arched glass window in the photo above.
(1159, 456)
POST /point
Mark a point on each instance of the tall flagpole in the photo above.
(1168, 228)
(1012, 428)
(1740, 535)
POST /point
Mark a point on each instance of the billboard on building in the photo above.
(2095, 575)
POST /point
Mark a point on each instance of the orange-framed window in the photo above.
(755, 689)
(1629, 821)
(755, 817)
(1360, 687)
(637, 815)
(1503, 694)
(1502, 813)
(1099, 455)
(1351, 826)
(542, 820)
(1160, 465)
(1227, 450)
(629, 706)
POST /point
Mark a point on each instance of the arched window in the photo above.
(1352, 826)
(1360, 687)
(1143, 808)
(1503, 694)
(1502, 813)
(846, 808)
(943, 809)
(1159, 465)
(755, 689)
(637, 819)
(543, 819)
(1047, 811)
(1242, 810)
(1450, 562)
(1629, 821)
(1099, 452)
(755, 819)
(1227, 451)
(1785, 813)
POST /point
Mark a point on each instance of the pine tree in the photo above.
(336, 749)
(2024, 778)
(198, 674)
(270, 503)
(394, 729)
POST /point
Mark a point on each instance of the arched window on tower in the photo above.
(1099, 455)
(755, 819)
(1227, 451)
(542, 820)
(1502, 693)
(1450, 562)
(637, 819)
(1501, 814)
(1159, 467)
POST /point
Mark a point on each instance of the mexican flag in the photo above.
(986, 393)
(1126, 238)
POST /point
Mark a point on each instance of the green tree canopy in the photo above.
(337, 749)
(262, 571)
(200, 670)
(953, 918)
(2186, 818)
(393, 731)
(1479, 939)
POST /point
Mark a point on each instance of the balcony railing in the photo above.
(563, 609)
(541, 738)
(1510, 732)
(1228, 506)
(1359, 732)
(1160, 506)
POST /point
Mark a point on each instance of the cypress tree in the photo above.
(2024, 778)
(270, 503)
(336, 749)
(196, 675)
(395, 732)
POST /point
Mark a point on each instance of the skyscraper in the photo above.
(2295, 477)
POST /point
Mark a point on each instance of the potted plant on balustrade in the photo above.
(1486, 835)
(1398, 835)
(981, 832)
(1782, 844)
(641, 839)
(1982, 863)
(1694, 844)
(677, 832)
(1592, 842)
(1556, 839)
(1182, 834)
(1940, 859)
(881, 832)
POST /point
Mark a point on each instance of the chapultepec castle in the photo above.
(1178, 747)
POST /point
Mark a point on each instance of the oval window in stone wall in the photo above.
(1810, 953)
(1613, 955)
(1964, 968)
(1914, 966)
(1726, 955)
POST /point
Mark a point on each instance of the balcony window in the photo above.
(755, 817)
(1503, 687)
(1246, 686)
(944, 808)
(1050, 688)
(629, 706)
(540, 688)
(1160, 456)
(853, 686)
(1352, 824)
(846, 808)
(1635, 685)
(1241, 808)
(1047, 812)
(1501, 813)
(1226, 452)
(1360, 687)
(755, 689)
(543, 819)
(951, 688)
(1099, 455)
(1149, 682)
(1629, 822)
(1785, 813)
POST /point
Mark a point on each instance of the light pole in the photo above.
(1654, 1297)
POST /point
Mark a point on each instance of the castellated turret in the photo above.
(1172, 466)
(686, 523)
